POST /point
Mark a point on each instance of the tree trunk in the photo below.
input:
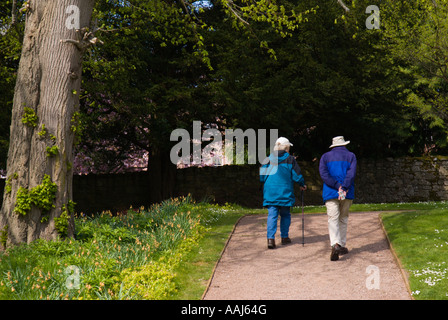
(48, 85)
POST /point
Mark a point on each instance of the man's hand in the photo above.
(303, 188)
(342, 193)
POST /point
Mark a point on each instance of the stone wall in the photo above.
(402, 180)
(377, 181)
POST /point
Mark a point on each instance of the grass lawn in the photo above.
(193, 275)
(420, 239)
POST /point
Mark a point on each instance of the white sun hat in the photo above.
(283, 141)
(339, 141)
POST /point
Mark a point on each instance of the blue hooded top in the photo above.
(338, 168)
(278, 173)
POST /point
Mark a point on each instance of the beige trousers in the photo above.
(337, 211)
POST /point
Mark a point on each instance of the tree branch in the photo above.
(88, 39)
(236, 13)
(14, 13)
(343, 6)
(14, 24)
(25, 7)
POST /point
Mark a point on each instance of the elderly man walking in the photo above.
(278, 174)
(337, 169)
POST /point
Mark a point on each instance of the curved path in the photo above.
(247, 270)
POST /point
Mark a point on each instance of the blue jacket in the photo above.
(338, 168)
(278, 174)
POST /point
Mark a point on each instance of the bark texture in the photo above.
(48, 83)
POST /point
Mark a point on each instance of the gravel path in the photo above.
(249, 271)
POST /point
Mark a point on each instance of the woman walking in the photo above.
(278, 174)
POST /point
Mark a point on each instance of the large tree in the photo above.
(39, 165)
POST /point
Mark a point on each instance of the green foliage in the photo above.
(156, 280)
(153, 281)
(8, 186)
(282, 16)
(104, 232)
(77, 126)
(52, 248)
(52, 151)
(29, 117)
(324, 82)
(42, 196)
(4, 236)
(415, 35)
(23, 201)
(43, 131)
(44, 219)
(61, 223)
(71, 206)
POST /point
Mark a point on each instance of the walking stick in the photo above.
(303, 223)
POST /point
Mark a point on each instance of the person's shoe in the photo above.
(271, 243)
(286, 240)
(335, 252)
(343, 250)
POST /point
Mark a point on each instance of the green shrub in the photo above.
(156, 280)
(153, 281)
